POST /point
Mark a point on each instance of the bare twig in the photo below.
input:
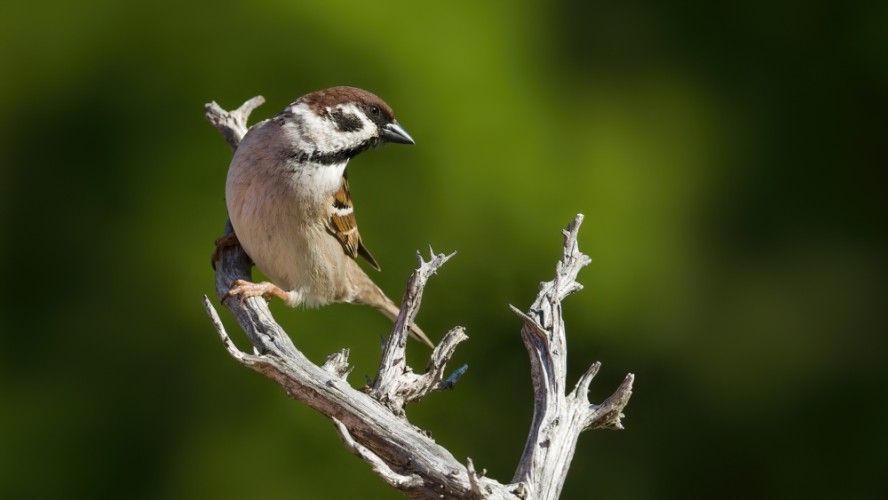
(396, 384)
(232, 124)
(337, 364)
(399, 481)
(559, 419)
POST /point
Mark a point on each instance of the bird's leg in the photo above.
(223, 242)
(247, 289)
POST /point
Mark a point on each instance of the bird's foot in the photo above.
(228, 240)
(247, 289)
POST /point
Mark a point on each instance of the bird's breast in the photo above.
(279, 210)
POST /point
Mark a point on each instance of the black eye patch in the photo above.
(377, 115)
(345, 122)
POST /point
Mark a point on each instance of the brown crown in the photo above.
(329, 98)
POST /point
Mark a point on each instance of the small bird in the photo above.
(289, 202)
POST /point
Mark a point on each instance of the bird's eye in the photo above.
(374, 111)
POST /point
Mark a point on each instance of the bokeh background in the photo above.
(730, 159)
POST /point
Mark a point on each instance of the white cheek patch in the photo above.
(325, 135)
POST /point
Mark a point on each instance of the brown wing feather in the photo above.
(344, 226)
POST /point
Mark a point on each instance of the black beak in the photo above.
(393, 132)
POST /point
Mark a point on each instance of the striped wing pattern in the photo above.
(344, 226)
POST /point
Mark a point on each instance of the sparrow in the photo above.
(289, 202)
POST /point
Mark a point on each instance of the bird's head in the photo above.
(341, 122)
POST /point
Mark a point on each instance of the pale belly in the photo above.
(298, 257)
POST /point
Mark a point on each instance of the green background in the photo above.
(730, 160)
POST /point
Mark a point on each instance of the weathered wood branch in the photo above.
(232, 124)
(372, 424)
(396, 384)
(559, 418)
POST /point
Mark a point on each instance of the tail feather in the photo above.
(379, 301)
(391, 313)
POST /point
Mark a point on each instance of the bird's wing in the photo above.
(344, 226)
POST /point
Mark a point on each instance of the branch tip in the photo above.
(582, 388)
(232, 124)
(220, 329)
(575, 224)
(532, 326)
(473, 479)
(608, 414)
(434, 263)
(250, 104)
(379, 466)
(337, 364)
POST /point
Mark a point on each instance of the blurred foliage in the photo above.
(729, 157)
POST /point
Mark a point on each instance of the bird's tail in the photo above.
(379, 301)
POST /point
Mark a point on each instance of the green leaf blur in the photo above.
(729, 158)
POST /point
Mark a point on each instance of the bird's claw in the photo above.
(246, 289)
(223, 242)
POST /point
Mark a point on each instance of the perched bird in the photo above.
(289, 202)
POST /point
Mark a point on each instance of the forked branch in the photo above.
(372, 424)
